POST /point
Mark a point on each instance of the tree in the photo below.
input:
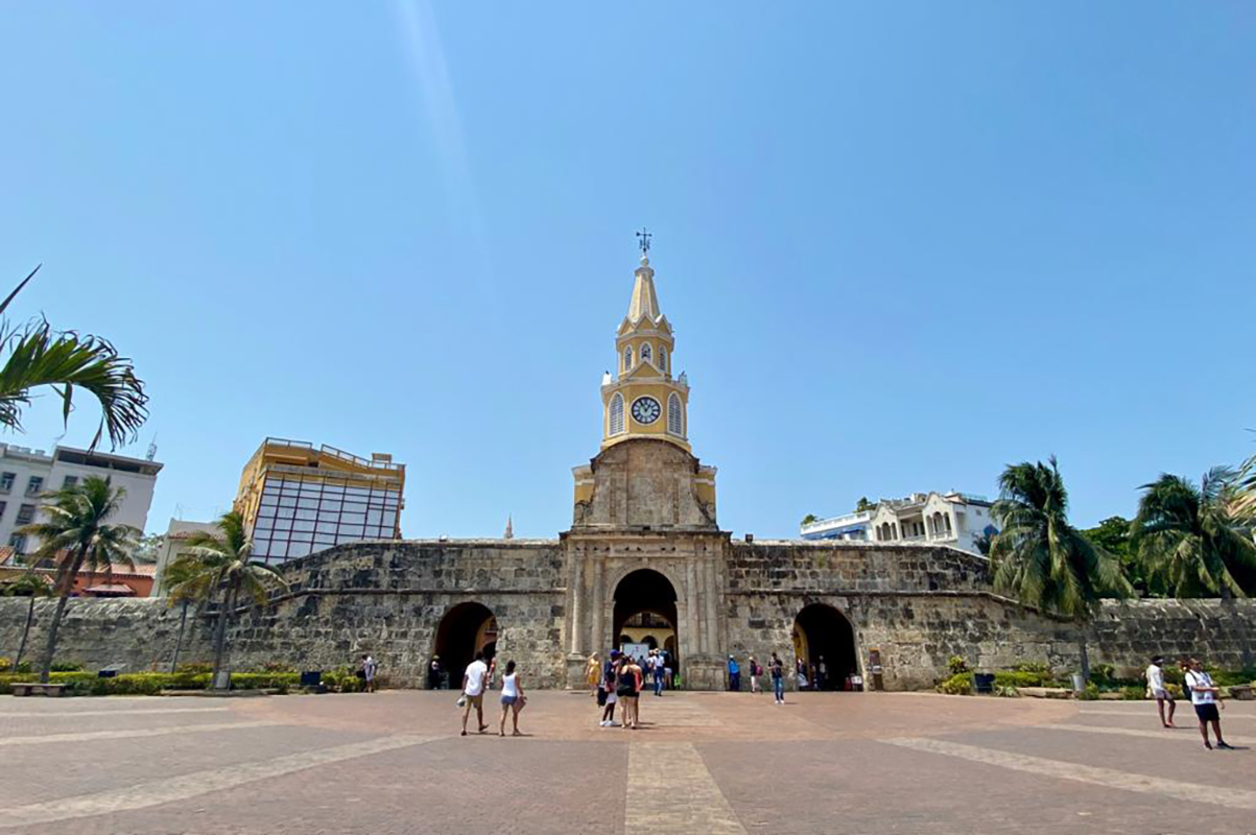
(982, 543)
(1042, 560)
(75, 535)
(1190, 540)
(809, 518)
(39, 356)
(217, 567)
(1113, 535)
(864, 504)
(29, 585)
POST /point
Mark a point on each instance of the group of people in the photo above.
(477, 679)
(1204, 694)
(775, 669)
(620, 681)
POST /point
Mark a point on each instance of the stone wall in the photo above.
(917, 605)
(97, 633)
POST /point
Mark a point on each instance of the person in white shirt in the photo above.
(473, 692)
(1155, 683)
(1204, 698)
(512, 699)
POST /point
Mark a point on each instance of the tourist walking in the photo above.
(734, 675)
(1204, 698)
(593, 673)
(606, 696)
(822, 675)
(777, 669)
(512, 700)
(669, 671)
(800, 673)
(1155, 683)
(473, 692)
(656, 664)
(628, 688)
(492, 671)
(369, 668)
(755, 673)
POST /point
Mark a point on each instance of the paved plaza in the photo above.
(704, 762)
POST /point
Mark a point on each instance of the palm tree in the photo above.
(39, 356)
(217, 566)
(174, 576)
(1190, 539)
(1042, 560)
(77, 534)
(29, 585)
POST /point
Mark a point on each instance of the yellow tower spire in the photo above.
(644, 400)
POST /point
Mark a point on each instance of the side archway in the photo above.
(823, 634)
(465, 629)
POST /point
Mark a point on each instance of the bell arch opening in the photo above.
(823, 634)
(645, 611)
(465, 629)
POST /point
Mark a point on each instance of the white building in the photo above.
(953, 518)
(172, 547)
(26, 473)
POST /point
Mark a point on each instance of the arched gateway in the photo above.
(823, 634)
(645, 608)
(465, 629)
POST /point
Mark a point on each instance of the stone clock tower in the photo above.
(644, 554)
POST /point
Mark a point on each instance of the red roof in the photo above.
(115, 588)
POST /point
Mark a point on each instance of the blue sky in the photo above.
(901, 246)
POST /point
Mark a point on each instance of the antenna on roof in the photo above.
(152, 449)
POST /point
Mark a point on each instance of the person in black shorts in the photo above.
(1204, 698)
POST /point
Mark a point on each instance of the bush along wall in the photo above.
(152, 684)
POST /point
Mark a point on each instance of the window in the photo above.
(628, 358)
(617, 414)
(3, 505)
(646, 354)
(34, 485)
(662, 359)
(6, 482)
(18, 543)
(26, 514)
(70, 481)
(675, 417)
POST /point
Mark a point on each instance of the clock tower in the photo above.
(642, 399)
(645, 477)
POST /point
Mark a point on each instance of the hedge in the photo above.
(151, 684)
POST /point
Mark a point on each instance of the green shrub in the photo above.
(1229, 678)
(1090, 694)
(1172, 675)
(956, 665)
(960, 684)
(1022, 678)
(1133, 692)
(66, 667)
(1006, 691)
(195, 667)
(1102, 674)
(342, 680)
(6, 664)
(1041, 668)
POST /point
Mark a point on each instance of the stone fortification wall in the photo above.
(819, 566)
(388, 599)
(1220, 633)
(97, 633)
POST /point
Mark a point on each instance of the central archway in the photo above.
(823, 633)
(465, 629)
(645, 607)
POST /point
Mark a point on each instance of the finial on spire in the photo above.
(643, 241)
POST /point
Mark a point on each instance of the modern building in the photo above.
(25, 474)
(136, 581)
(952, 518)
(298, 499)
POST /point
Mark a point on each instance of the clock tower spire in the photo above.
(642, 399)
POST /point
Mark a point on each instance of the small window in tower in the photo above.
(662, 359)
(675, 415)
(617, 415)
(646, 356)
(628, 358)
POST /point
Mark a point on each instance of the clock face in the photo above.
(646, 410)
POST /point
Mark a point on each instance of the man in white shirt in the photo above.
(473, 691)
(1204, 698)
(1155, 683)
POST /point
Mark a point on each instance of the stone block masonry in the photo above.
(552, 601)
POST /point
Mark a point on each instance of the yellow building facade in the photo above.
(297, 499)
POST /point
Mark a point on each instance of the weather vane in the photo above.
(643, 240)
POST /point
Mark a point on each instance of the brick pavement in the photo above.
(703, 762)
